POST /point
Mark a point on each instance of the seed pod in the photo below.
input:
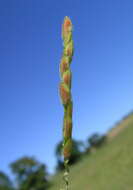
(67, 128)
(67, 149)
(64, 93)
(64, 66)
(69, 49)
(67, 78)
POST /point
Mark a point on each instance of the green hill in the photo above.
(110, 167)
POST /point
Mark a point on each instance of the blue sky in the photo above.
(30, 51)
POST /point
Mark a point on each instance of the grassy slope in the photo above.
(109, 168)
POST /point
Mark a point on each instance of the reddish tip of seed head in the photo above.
(67, 22)
(67, 26)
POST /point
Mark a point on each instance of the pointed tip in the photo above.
(67, 20)
(67, 26)
(67, 17)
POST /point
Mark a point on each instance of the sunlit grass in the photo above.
(109, 168)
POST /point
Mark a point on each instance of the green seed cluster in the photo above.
(65, 86)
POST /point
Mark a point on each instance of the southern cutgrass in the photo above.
(65, 93)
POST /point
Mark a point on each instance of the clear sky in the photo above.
(30, 51)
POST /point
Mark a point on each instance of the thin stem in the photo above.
(66, 174)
